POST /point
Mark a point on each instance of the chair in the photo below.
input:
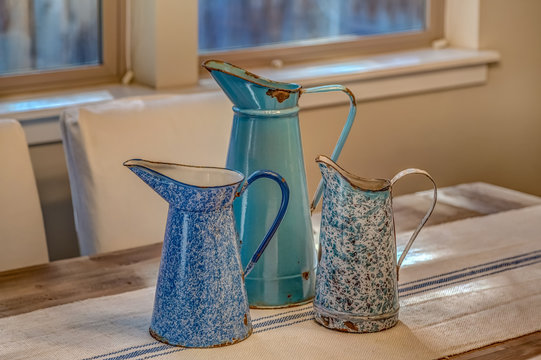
(113, 209)
(22, 233)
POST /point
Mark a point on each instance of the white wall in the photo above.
(486, 133)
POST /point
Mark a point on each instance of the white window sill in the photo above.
(369, 77)
(379, 76)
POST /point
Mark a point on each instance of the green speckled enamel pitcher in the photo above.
(357, 277)
(266, 135)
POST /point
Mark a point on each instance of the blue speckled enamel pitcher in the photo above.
(356, 286)
(266, 135)
(200, 297)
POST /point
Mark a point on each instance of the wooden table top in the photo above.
(65, 281)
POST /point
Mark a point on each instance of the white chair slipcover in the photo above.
(22, 234)
(113, 208)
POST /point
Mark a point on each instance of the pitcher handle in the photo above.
(281, 212)
(343, 136)
(425, 218)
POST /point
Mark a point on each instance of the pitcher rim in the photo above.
(251, 77)
(386, 183)
(242, 176)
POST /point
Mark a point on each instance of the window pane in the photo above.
(38, 35)
(233, 24)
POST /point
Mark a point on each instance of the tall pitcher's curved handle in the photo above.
(425, 218)
(343, 135)
(281, 212)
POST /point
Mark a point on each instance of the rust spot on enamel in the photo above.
(279, 95)
(231, 342)
(245, 320)
(288, 296)
(305, 275)
(252, 74)
(351, 325)
(325, 320)
(158, 337)
(350, 93)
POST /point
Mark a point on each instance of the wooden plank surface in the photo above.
(66, 281)
(522, 348)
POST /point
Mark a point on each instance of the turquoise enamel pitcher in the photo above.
(266, 135)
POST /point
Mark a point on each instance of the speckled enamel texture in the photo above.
(356, 284)
(200, 296)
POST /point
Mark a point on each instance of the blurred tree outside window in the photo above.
(237, 24)
(46, 35)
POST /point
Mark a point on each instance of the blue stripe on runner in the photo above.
(311, 317)
(281, 320)
(477, 277)
(284, 325)
(469, 273)
(300, 308)
(471, 267)
(136, 353)
(119, 351)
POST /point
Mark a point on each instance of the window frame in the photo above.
(293, 53)
(113, 55)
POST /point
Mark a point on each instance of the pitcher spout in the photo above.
(184, 186)
(153, 178)
(330, 169)
(250, 91)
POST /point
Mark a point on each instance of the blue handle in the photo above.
(343, 136)
(281, 212)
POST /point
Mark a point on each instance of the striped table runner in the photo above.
(464, 285)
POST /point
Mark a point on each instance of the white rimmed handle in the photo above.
(425, 218)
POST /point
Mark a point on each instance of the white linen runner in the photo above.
(464, 285)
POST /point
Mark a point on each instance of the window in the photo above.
(47, 43)
(161, 44)
(297, 30)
